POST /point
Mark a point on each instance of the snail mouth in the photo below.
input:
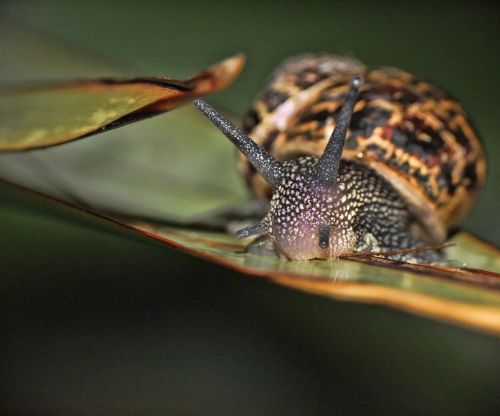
(310, 252)
(308, 246)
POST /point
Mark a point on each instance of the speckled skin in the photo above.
(361, 212)
(402, 166)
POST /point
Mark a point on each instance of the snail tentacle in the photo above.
(328, 164)
(267, 165)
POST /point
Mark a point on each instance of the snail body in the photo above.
(356, 160)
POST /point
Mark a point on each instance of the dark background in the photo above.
(95, 320)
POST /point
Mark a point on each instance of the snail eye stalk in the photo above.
(268, 166)
(328, 164)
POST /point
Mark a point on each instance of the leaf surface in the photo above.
(456, 294)
(40, 116)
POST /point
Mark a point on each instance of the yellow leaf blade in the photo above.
(428, 293)
(48, 115)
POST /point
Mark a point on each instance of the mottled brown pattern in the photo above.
(409, 130)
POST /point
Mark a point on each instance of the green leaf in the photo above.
(458, 295)
(47, 115)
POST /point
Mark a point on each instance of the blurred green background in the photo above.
(95, 320)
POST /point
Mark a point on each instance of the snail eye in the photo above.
(324, 236)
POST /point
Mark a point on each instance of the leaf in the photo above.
(48, 115)
(435, 292)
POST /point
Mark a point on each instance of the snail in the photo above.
(355, 160)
